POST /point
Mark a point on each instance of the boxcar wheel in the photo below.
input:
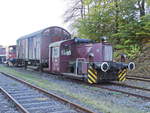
(25, 64)
(41, 67)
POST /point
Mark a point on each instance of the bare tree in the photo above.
(75, 10)
(141, 5)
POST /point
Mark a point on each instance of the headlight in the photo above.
(104, 66)
(131, 66)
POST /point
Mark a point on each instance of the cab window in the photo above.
(55, 52)
(66, 50)
(108, 53)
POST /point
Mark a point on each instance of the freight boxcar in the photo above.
(32, 49)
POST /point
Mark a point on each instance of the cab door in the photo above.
(55, 59)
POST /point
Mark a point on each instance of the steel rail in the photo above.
(132, 94)
(17, 104)
(144, 77)
(129, 86)
(73, 105)
(140, 79)
(115, 90)
(102, 87)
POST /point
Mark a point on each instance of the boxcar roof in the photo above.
(39, 33)
(31, 35)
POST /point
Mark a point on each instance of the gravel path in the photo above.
(93, 98)
(6, 106)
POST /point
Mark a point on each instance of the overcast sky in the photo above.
(21, 17)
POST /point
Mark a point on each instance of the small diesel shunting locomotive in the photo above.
(81, 58)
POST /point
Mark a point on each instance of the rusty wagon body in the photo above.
(32, 49)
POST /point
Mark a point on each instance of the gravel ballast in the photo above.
(39, 103)
(6, 106)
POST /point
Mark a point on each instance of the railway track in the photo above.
(123, 92)
(30, 99)
(5, 105)
(17, 105)
(115, 90)
(145, 79)
(129, 86)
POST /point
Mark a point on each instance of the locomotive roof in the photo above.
(76, 40)
(58, 43)
(39, 33)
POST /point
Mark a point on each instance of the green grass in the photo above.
(99, 104)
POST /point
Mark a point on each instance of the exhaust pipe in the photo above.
(104, 66)
(131, 66)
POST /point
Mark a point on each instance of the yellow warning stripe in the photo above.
(124, 79)
(122, 73)
(90, 81)
(119, 72)
(93, 71)
(92, 74)
(92, 78)
(122, 76)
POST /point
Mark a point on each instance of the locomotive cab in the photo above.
(59, 56)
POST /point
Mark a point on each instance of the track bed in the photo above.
(33, 100)
(6, 106)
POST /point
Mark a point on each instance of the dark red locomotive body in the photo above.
(81, 58)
